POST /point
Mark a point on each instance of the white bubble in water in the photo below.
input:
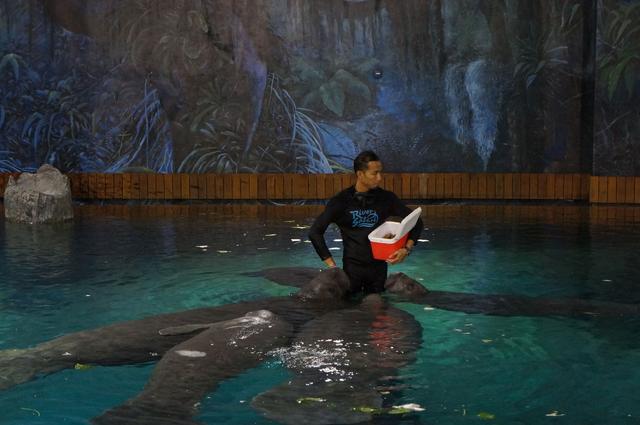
(190, 353)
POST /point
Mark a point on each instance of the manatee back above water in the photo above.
(340, 359)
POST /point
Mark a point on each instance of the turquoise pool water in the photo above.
(470, 368)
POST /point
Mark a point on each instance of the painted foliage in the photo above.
(617, 115)
(297, 85)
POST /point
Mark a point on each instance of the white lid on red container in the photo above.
(400, 229)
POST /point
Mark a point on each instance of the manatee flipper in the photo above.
(184, 329)
(190, 370)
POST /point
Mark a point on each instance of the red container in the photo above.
(382, 251)
(381, 247)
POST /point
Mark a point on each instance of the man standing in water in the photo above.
(357, 211)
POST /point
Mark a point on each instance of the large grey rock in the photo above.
(44, 197)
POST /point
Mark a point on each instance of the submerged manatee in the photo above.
(147, 339)
(188, 371)
(505, 305)
(339, 360)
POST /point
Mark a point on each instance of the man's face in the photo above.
(372, 176)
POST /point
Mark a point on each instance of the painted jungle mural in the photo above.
(617, 113)
(228, 86)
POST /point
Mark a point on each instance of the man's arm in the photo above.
(319, 227)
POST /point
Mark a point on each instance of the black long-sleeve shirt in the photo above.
(357, 215)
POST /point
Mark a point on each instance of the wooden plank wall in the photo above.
(509, 186)
(614, 190)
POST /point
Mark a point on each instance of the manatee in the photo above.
(148, 339)
(188, 371)
(340, 359)
(409, 289)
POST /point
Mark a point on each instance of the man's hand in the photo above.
(398, 256)
(330, 262)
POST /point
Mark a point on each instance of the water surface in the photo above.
(119, 263)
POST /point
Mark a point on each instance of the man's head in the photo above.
(368, 169)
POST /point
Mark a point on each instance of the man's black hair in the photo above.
(361, 163)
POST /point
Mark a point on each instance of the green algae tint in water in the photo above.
(471, 368)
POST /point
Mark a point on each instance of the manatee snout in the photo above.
(401, 284)
(330, 284)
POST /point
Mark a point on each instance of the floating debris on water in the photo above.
(80, 366)
(393, 410)
(410, 407)
(310, 400)
(367, 409)
(34, 412)
(486, 416)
